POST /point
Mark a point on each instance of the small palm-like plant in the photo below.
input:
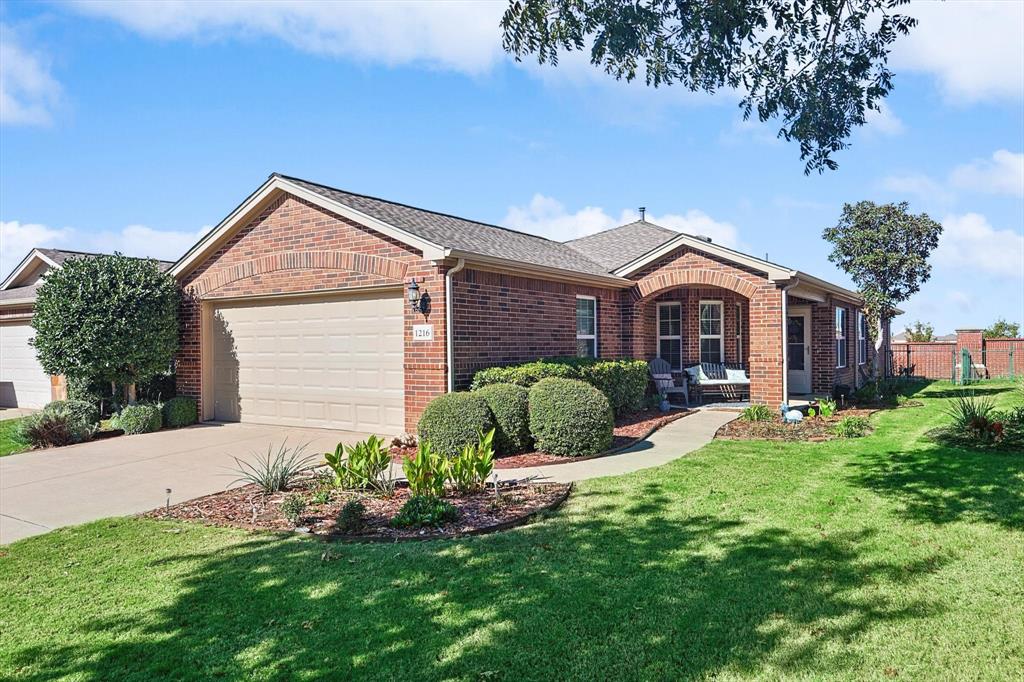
(274, 471)
(971, 416)
(426, 471)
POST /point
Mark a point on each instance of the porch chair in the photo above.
(661, 374)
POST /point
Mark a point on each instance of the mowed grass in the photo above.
(879, 558)
(10, 440)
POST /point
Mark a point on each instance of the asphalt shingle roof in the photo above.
(58, 256)
(620, 245)
(459, 233)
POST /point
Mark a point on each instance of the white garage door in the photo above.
(334, 363)
(22, 381)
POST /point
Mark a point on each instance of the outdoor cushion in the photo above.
(697, 374)
(736, 376)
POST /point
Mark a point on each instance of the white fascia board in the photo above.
(30, 259)
(269, 190)
(774, 272)
(834, 289)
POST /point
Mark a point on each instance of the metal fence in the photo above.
(959, 365)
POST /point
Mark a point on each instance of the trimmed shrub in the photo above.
(140, 418)
(509, 404)
(77, 411)
(454, 420)
(53, 429)
(624, 382)
(180, 411)
(570, 417)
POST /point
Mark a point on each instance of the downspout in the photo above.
(785, 339)
(449, 336)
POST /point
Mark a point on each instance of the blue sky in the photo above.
(136, 127)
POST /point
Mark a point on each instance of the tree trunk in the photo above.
(131, 393)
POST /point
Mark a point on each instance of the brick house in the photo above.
(297, 309)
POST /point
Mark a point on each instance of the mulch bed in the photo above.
(814, 430)
(629, 430)
(248, 508)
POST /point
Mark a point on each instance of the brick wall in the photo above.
(1001, 358)
(932, 359)
(294, 247)
(503, 319)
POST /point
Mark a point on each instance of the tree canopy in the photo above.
(817, 65)
(884, 249)
(920, 331)
(106, 318)
(1002, 329)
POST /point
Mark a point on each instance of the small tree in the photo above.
(920, 331)
(108, 318)
(1002, 329)
(885, 251)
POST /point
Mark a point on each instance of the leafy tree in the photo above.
(884, 249)
(106, 318)
(817, 65)
(920, 331)
(1002, 329)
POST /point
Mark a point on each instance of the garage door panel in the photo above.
(330, 363)
(23, 383)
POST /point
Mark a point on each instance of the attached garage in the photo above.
(23, 383)
(313, 362)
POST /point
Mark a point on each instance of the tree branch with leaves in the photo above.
(817, 65)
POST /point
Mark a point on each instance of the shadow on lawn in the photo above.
(941, 484)
(659, 596)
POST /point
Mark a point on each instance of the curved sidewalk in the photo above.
(664, 445)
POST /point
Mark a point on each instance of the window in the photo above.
(739, 332)
(670, 334)
(862, 338)
(711, 331)
(586, 326)
(840, 337)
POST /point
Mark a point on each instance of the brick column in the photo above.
(766, 347)
(972, 340)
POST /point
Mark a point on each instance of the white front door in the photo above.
(798, 350)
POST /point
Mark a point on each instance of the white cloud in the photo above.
(28, 92)
(970, 243)
(918, 185)
(17, 239)
(1003, 174)
(548, 217)
(883, 121)
(456, 35)
(972, 48)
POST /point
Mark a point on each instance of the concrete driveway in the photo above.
(45, 489)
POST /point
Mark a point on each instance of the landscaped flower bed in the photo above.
(478, 512)
(811, 429)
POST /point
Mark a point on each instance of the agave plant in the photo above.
(274, 471)
(971, 415)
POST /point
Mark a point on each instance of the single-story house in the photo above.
(312, 306)
(23, 383)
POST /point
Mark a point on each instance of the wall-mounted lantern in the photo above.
(417, 302)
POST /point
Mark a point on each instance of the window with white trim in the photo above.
(862, 338)
(586, 326)
(711, 331)
(739, 332)
(670, 334)
(841, 337)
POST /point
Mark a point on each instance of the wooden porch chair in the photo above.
(661, 374)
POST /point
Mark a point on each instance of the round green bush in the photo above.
(180, 411)
(454, 420)
(570, 417)
(510, 407)
(140, 418)
(78, 412)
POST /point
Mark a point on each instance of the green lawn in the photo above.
(876, 558)
(10, 441)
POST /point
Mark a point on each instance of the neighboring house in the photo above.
(23, 383)
(297, 309)
(902, 338)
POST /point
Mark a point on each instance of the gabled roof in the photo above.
(51, 258)
(615, 247)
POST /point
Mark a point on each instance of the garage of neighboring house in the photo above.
(323, 362)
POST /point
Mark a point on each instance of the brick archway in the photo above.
(669, 279)
(302, 260)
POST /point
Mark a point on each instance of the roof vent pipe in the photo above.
(704, 238)
(643, 213)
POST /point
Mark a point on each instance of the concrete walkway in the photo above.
(45, 489)
(668, 443)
